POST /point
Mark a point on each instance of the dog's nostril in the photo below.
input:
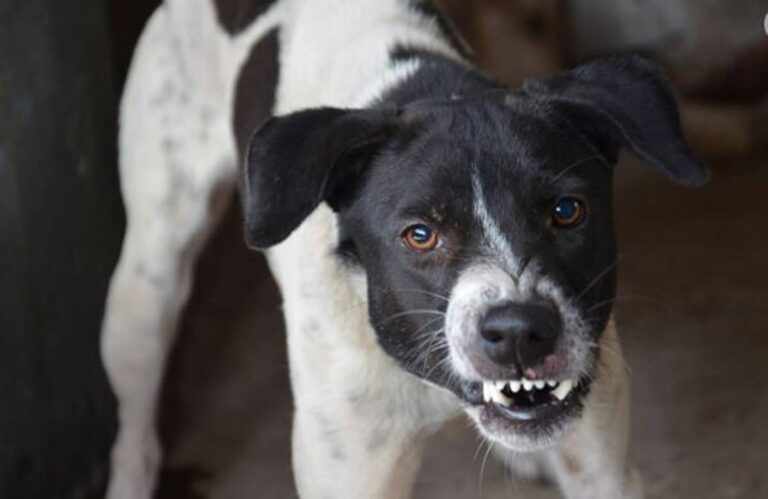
(492, 335)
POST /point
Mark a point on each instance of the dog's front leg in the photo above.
(337, 454)
(360, 421)
(592, 461)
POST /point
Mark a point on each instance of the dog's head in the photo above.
(483, 225)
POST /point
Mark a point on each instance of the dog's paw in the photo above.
(136, 458)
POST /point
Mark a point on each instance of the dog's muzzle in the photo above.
(522, 355)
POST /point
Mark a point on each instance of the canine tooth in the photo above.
(500, 385)
(539, 385)
(514, 386)
(500, 398)
(563, 390)
(552, 383)
(527, 385)
(487, 391)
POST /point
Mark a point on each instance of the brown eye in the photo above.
(420, 237)
(568, 213)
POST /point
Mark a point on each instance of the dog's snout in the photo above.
(520, 334)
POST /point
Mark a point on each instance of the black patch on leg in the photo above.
(236, 15)
(255, 91)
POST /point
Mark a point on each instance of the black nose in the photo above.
(520, 334)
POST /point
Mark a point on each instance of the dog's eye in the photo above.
(420, 237)
(569, 212)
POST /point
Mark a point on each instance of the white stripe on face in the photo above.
(499, 246)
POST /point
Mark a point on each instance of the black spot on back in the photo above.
(236, 15)
(255, 91)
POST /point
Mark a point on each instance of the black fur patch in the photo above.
(255, 91)
(236, 15)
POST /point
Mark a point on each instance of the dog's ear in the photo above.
(295, 162)
(625, 101)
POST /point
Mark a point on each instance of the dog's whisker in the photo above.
(579, 163)
(482, 467)
(408, 313)
(424, 292)
(597, 279)
(480, 444)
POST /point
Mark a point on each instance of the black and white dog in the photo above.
(442, 243)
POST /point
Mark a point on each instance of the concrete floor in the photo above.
(693, 314)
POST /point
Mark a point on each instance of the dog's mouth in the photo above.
(525, 400)
(525, 407)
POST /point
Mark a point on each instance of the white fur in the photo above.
(360, 420)
(497, 243)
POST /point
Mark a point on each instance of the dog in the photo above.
(443, 244)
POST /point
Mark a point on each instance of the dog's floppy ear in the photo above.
(626, 101)
(295, 162)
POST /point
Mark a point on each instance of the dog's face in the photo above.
(484, 228)
(486, 237)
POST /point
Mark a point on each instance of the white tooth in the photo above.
(527, 385)
(500, 398)
(563, 390)
(500, 385)
(487, 390)
(552, 383)
(540, 385)
(514, 386)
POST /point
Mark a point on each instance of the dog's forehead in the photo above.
(510, 148)
(499, 135)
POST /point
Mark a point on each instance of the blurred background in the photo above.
(693, 298)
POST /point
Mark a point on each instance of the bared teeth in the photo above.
(527, 385)
(563, 389)
(501, 392)
(501, 399)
